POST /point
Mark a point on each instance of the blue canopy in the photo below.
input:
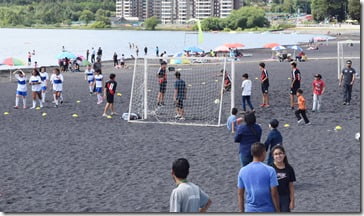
(295, 47)
(193, 49)
(276, 48)
(68, 55)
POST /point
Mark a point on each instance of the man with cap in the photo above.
(347, 80)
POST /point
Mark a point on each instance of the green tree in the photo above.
(86, 16)
(319, 9)
(151, 23)
(354, 9)
(211, 23)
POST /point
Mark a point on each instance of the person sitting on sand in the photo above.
(186, 197)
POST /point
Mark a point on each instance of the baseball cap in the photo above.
(348, 62)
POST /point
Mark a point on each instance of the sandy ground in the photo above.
(59, 163)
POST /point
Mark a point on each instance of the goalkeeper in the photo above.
(162, 78)
(180, 92)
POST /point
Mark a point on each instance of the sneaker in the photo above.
(309, 123)
(158, 104)
(242, 112)
(292, 108)
(267, 105)
(177, 116)
(56, 106)
(300, 121)
(61, 101)
(41, 106)
(114, 113)
(24, 107)
(90, 93)
(16, 107)
(182, 118)
(262, 105)
(348, 103)
(104, 115)
(344, 103)
(99, 102)
(162, 104)
(313, 110)
(32, 107)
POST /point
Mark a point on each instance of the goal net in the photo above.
(348, 50)
(207, 102)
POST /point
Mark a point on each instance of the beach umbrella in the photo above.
(12, 62)
(85, 62)
(270, 45)
(234, 45)
(193, 49)
(319, 39)
(295, 47)
(222, 48)
(68, 55)
(276, 48)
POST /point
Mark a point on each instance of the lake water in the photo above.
(47, 43)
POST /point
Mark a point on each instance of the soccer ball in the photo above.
(217, 101)
(357, 136)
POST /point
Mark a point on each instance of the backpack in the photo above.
(133, 116)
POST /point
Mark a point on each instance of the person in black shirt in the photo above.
(286, 177)
(115, 58)
(110, 89)
(162, 79)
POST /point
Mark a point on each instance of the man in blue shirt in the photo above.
(259, 182)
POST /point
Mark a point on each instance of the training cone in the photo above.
(38, 108)
(44, 114)
(289, 78)
(286, 125)
(189, 85)
(75, 115)
(217, 101)
(109, 116)
(6, 113)
(78, 101)
(119, 94)
(338, 128)
(203, 83)
(256, 78)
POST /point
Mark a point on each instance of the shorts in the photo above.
(296, 86)
(179, 104)
(24, 94)
(91, 81)
(44, 88)
(98, 90)
(162, 87)
(110, 98)
(265, 86)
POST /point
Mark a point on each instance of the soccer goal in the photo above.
(346, 50)
(208, 100)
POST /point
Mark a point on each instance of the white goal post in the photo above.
(346, 51)
(207, 103)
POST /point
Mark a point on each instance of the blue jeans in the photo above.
(245, 160)
(247, 99)
(284, 203)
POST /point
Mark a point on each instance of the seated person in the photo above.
(300, 55)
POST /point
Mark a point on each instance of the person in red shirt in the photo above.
(318, 88)
(265, 84)
(301, 108)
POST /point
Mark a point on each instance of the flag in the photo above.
(200, 35)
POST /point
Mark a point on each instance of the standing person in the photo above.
(35, 81)
(21, 90)
(318, 88)
(45, 79)
(145, 50)
(157, 51)
(99, 84)
(137, 51)
(87, 54)
(57, 81)
(97, 65)
(246, 87)
(180, 92)
(301, 108)
(109, 92)
(286, 177)
(93, 52)
(233, 121)
(274, 138)
(258, 182)
(29, 58)
(265, 84)
(122, 61)
(162, 79)
(115, 58)
(296, 82)
(246, 135)
(186, 197)
(89, 76)
(99, 53)
(347, 74)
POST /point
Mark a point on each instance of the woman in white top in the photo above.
(35, 81)
(45, 78)
(21, 90)
(89, 76)
(57, 81)
(99, 85)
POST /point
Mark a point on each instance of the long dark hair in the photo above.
(36, 72)
(280, 147)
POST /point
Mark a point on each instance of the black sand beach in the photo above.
(59, 163)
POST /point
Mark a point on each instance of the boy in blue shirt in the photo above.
(233, 120)
(274, 138)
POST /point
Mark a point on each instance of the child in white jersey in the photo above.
(45, 78)
(35, 81)
(21, 90)
(89, 76)
(99, 85)
(57, 81)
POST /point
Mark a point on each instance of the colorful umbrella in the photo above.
(270, 45)
(295, 47)
(85, 62)
(319, 39)
(193, 49)
(276, 48)
(68, 55)
(222, 49)
(234, 45)
(13, 62)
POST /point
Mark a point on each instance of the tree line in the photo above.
(56, 12)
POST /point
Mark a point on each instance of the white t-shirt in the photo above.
(246, 87)
(98, 79)
(22, 83)
(44, 76)
(36, 79)
(187, 197)
(89, 74)
(57, 81)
